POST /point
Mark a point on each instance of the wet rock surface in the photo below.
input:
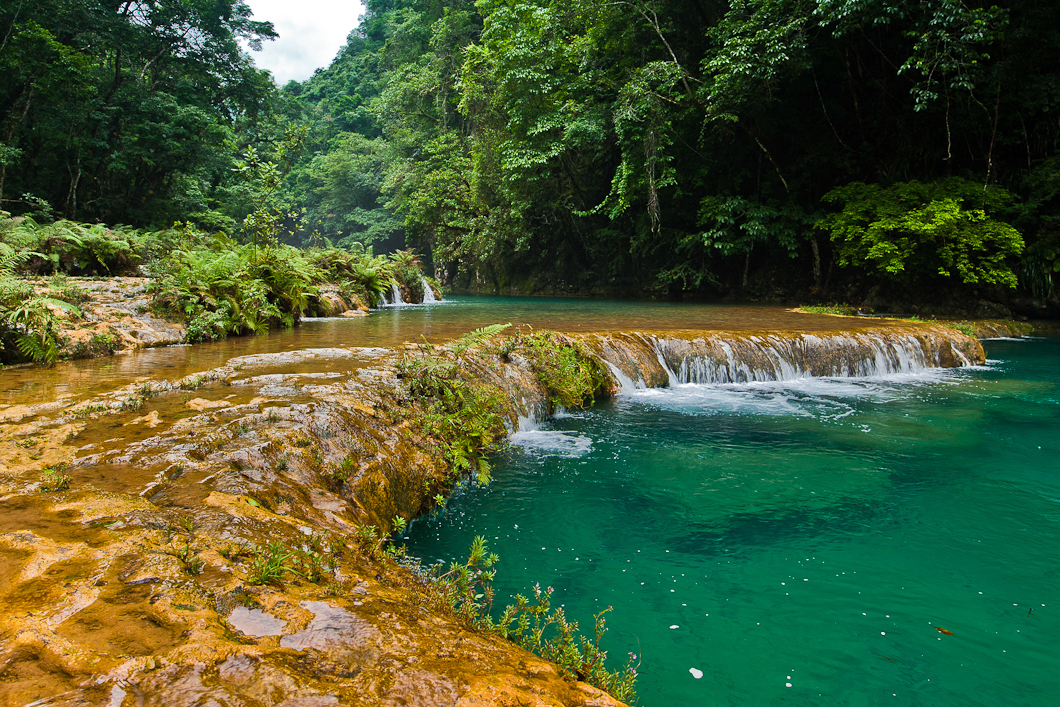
(115, 317)
(143, 578)
(135, 584)
(654, 359)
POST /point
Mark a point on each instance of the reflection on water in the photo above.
(393, 326)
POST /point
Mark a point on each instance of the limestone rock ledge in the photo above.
(116, 315)
(135, 584)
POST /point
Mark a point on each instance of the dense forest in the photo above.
(889, 153)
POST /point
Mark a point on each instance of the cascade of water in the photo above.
(428, 293)
(395, 295)
(718, 358)
(625, 383)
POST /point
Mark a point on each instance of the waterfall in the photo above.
(625, 383)
(395, 296)
(638, 360)
(428, 293)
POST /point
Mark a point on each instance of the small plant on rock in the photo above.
(188, 557)
(270, 564)
(54, 479)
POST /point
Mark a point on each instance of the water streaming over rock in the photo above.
(645, 360)
(428, 293)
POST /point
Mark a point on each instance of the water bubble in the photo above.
(697, 674)
(672, 627)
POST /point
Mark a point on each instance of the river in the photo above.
(392, 326)
(859, 541)
(877, 540)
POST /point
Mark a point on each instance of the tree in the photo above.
(914, 231)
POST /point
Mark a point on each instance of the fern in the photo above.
(38, 348)
(473, 338)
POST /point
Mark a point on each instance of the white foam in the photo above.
(822, 398)
(553, 442)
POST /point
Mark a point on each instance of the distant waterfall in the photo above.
(428, 293)
(393, 298)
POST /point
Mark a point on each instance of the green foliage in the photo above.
(28, 321)
(570, 375)
(54, 479)
(465, 589)
(406, 269)
(232, 289)
(1041, 222)
(312, 561)
(963, 327)
(476, 337)
(335, 475)
(916, 230)
(125, 112)
(650, 146)
(735, 225)
(270, 564)
(547, 631)
(98, 345)
(844, 310)
(359, 272)
(464, 414)
(191, 563)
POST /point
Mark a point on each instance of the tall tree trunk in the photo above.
(746, 268)
(816, 262)
(71, 196)
(11, 134)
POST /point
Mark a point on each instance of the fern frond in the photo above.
(37, 348)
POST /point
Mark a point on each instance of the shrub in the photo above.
(464, 414)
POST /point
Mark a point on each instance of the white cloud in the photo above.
(311, 34)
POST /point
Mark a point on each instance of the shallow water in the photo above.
(799, 542)
(392, 326)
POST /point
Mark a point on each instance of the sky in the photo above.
(311, 34)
